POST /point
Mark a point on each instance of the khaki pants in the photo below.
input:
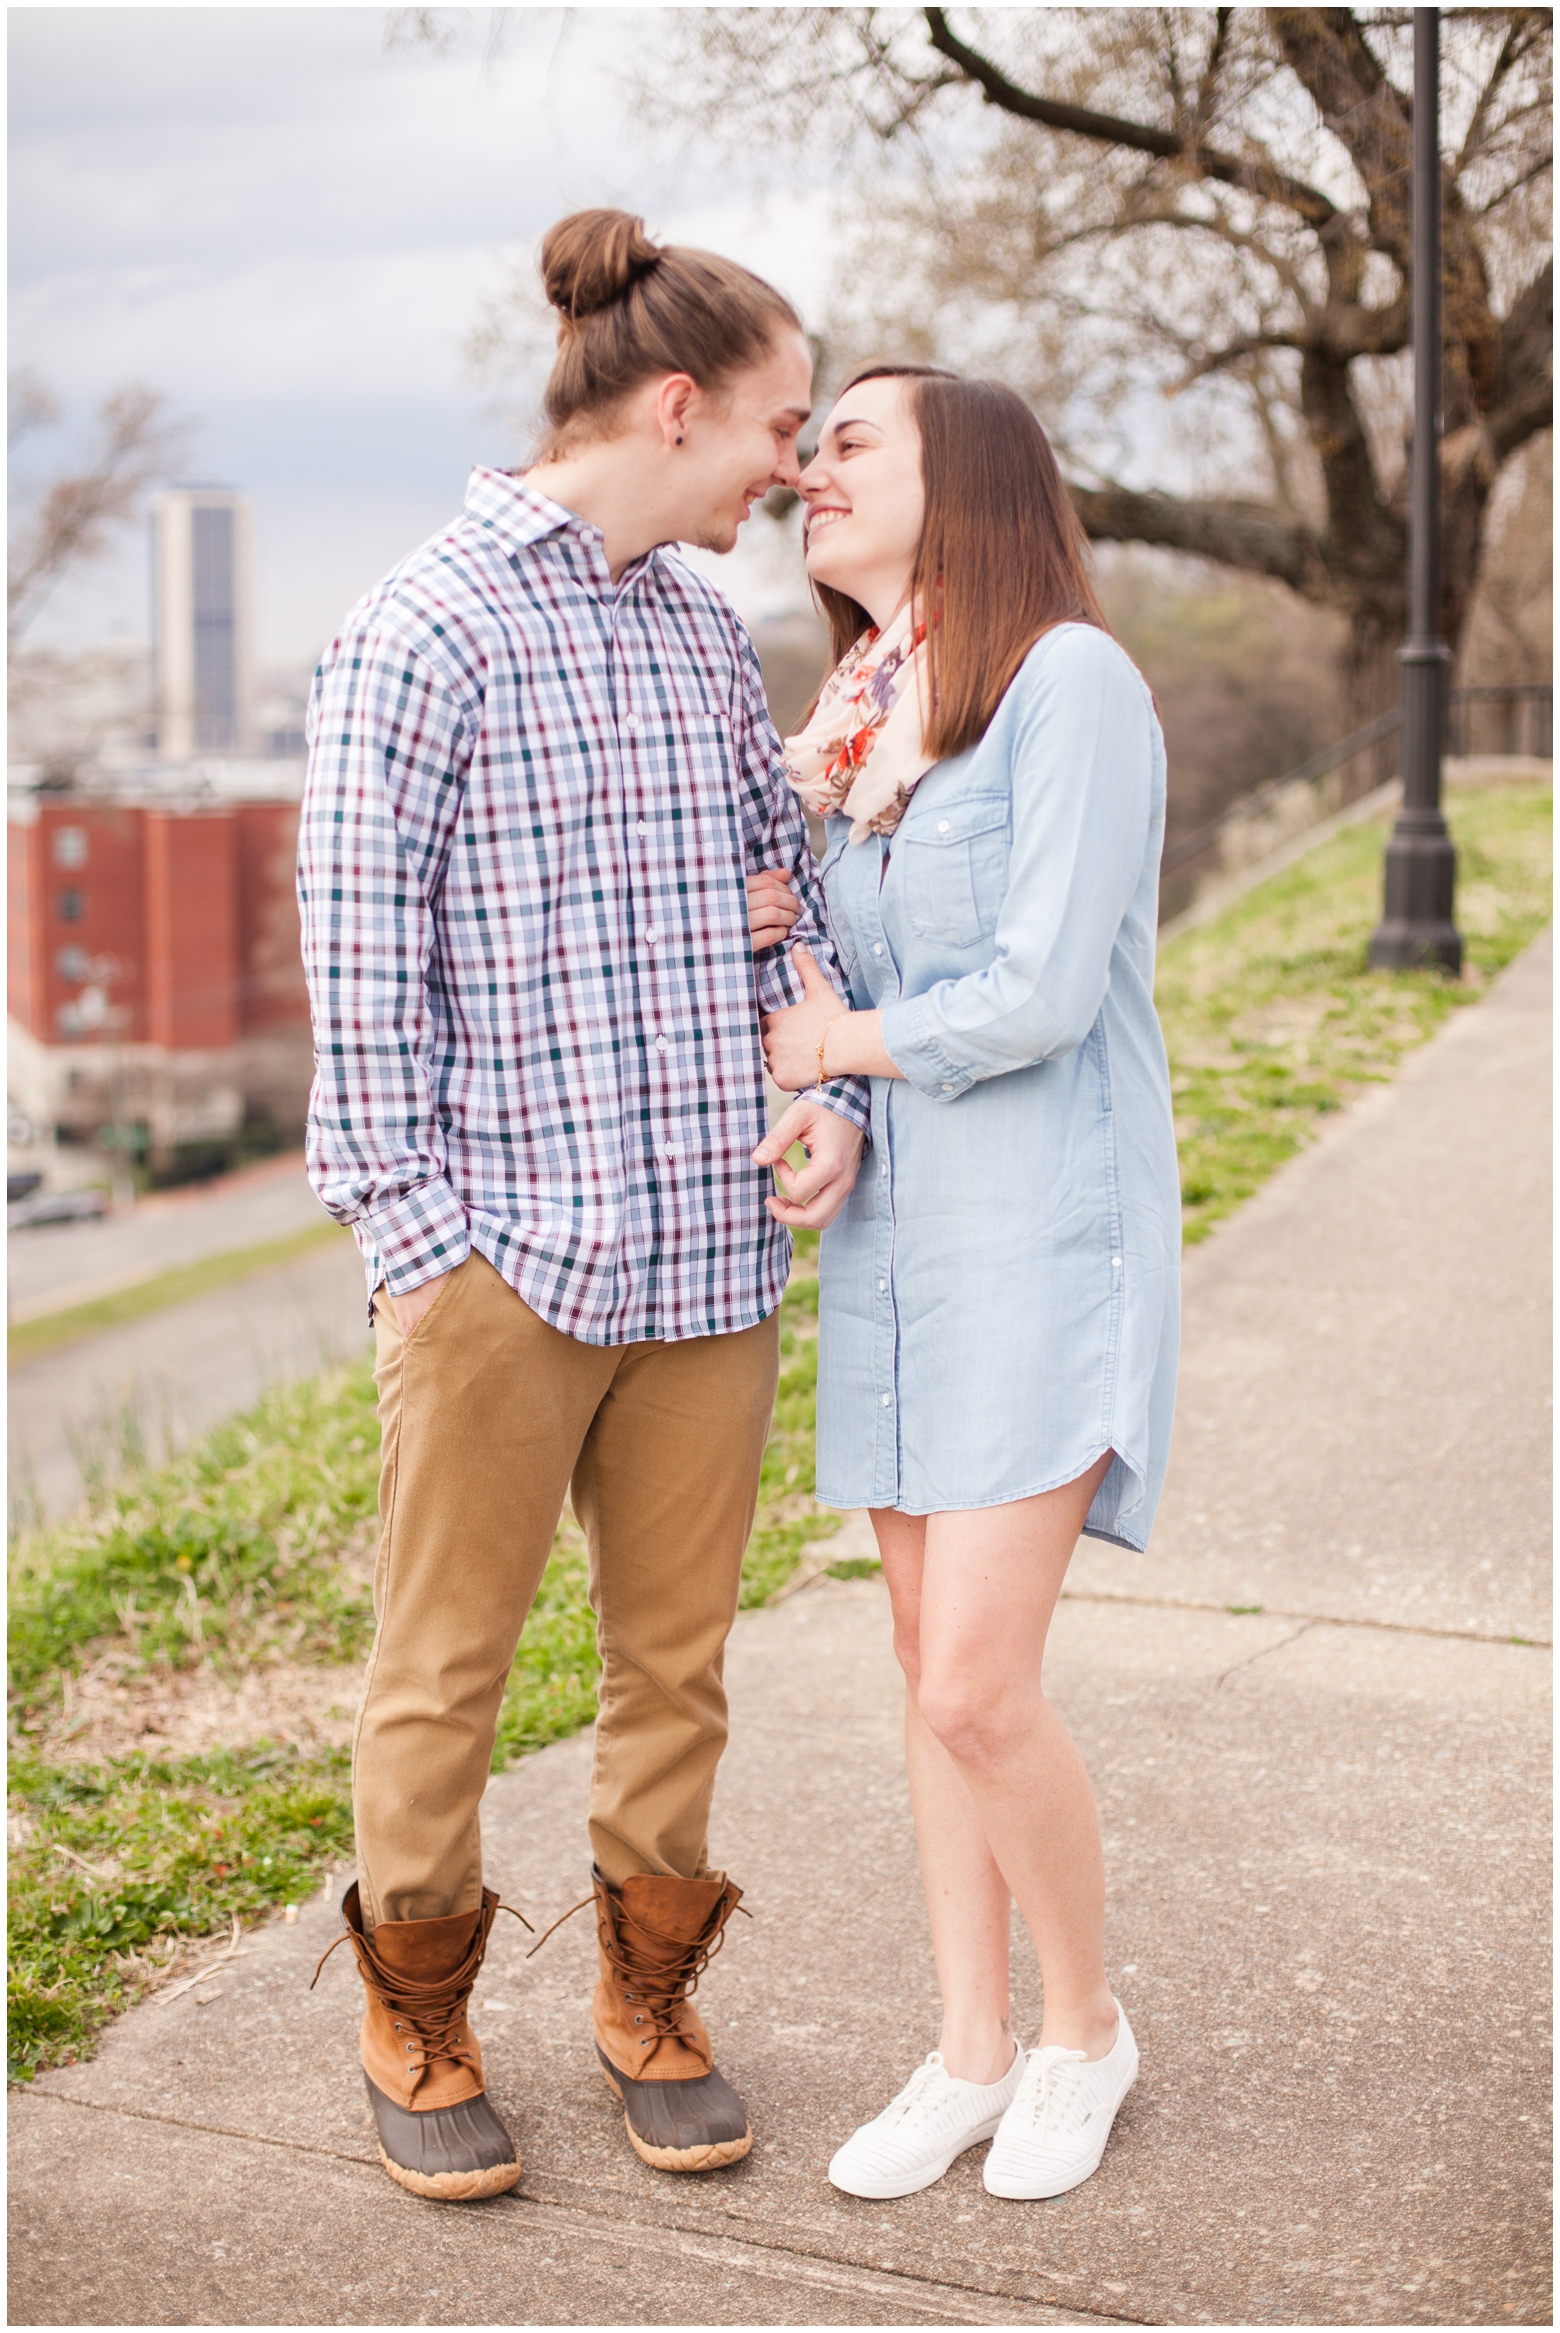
(489, 1415)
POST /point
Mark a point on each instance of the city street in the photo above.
(79, 1412)
(52, 1266)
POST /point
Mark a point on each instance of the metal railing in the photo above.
(1525, 710)
(1518, 719)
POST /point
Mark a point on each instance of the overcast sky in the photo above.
(292, 231)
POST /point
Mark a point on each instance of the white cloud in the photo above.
(290, 232)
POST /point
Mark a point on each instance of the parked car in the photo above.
(54, 1207)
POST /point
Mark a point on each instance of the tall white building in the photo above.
(203, 551)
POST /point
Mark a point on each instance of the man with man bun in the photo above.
(541, 777)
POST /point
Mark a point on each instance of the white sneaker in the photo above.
(919, 2133)
(1053, 2135)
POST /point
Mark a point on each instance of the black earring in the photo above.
(679, 441)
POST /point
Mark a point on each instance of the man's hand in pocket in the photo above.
(409, 1309)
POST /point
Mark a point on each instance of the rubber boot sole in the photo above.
(711, 2158)
(454, 2186)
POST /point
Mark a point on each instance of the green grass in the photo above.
(29, 1338)
(256, 1546)
(1273, 1018)
(179, 1847)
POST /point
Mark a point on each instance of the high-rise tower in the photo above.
(202, 543)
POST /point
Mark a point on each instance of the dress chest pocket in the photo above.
(953, 871)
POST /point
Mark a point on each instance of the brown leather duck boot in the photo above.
(438, 2133)
(656, 1938)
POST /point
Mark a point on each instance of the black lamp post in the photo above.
(1416, 924)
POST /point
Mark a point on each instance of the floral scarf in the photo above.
(861, 754)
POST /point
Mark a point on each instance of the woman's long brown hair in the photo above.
(1002, 557)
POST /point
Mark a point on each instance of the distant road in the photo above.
(80, 1412)
(52, 1266)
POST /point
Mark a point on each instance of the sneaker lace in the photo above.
(1054, 2093)
(919, 2093)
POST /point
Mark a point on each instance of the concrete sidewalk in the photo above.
(1326, 1830)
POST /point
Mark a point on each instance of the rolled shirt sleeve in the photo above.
(389, 747)
(777, 839)
(1082, 754)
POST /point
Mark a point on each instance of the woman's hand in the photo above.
(791, 1036)
(772, 909)
(811, 1196)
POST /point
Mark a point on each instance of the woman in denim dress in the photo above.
(1000, 1293)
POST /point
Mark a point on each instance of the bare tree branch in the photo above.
(1275, 146)
(138, 442)
(1246, 535)
(30, 404)
(1254, 173)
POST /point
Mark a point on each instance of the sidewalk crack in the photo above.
(1280, 1644)
(1537, 1644)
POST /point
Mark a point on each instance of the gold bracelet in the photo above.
(822, 1041)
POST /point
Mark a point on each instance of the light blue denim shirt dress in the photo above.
(1000, 1296)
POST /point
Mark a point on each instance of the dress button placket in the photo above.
(883, 982)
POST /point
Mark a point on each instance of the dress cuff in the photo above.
(910, 1045)
(418, 1234)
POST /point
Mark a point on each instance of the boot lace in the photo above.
(659, 1989)
(431, 2012)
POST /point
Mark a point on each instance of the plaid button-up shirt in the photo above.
(533, 798)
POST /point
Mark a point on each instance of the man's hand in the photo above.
(409, 1309)
(815, 1193)
(791, 1035)
(772, 909)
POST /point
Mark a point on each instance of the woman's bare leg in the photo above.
(989, 1580)
(967, 1897)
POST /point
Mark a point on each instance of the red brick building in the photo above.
(155, 975)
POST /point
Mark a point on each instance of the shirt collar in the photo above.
(515, 511)
(519, 516)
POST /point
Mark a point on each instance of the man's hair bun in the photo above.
(590, 259)
(630, 309)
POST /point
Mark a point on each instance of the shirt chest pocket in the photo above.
(953, 872)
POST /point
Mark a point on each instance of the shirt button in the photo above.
(1116, 1262)
(652, 935)
(882, 1283)
(877, 948)
(631, 720)
(942, 825)
(947, 1089)
(660, 1045)
(671, 1150)
(885, 1401)
(882, 1170)
(641, 828)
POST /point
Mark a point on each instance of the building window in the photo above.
(73, 906)
(70, 846)
(71, 963)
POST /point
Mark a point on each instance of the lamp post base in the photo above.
(1416, 927)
